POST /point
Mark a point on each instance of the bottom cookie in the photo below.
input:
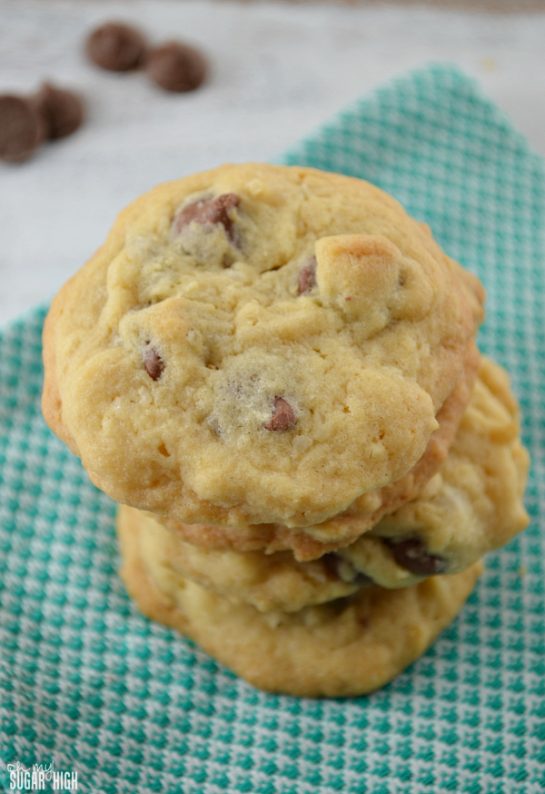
(350, 646)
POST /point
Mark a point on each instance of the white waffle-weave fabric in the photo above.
(89, 684)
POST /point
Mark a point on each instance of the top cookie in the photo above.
(257, 344)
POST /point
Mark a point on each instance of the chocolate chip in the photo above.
(283, 417)
(153, 363)
(331, 565)
(61, 110)
(307, 277)
(413, 555)
(116, 47)
(176, 67)
(21, 128)
(216, 209)
(362, 579)
(337, 567)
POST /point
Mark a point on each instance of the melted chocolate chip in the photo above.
(283, 417)
(61, 110)
(116, 47)
(413, 555)
(21, 128)
(307, 277)
(215, 209)
(176, 67)
(331, 564)
(338, 568)
(153, 363)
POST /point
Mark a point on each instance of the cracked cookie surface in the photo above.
(257, 344)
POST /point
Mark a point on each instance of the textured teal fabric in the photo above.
(88, 683)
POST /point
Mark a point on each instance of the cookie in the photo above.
(350, 646)
(270, 582)
(257, 344)
(471, 507)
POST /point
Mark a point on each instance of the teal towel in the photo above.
(90, 685)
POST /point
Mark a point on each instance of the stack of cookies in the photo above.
(274, 371)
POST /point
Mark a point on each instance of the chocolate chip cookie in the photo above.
(258, 345)
(270, 582)
(349, 646)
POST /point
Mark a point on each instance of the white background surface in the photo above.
(277, 72)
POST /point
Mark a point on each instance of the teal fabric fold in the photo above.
(88, 684)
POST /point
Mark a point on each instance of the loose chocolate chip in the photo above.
(176, 67)
(283, 417)
(413, 555)
(211, 210)
(116, 47)
(307, 277)
(61, 110)
(153, 363)
(21, 128)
